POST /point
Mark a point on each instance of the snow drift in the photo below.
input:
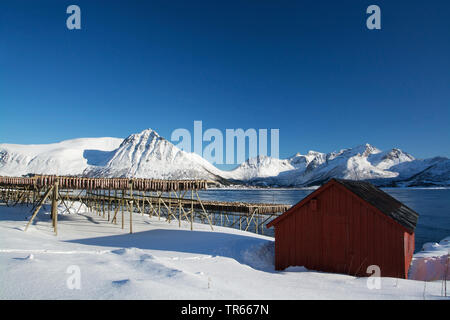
(432, 263)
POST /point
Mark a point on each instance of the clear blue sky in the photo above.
(310, 68)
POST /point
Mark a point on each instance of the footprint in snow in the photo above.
(29, 257)
(125, 251)
(119, 251)
(120, 283)
(145, 257)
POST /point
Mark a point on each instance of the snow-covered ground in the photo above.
(162, 261)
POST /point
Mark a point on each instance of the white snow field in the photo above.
(162, 261)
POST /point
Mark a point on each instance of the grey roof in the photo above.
(383, 202)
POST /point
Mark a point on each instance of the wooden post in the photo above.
(95, 202)
(28, 197)
(122, 205)
(143, 203)
(170, 204)
(99, 204)
(159, 207)
(131, 216)
(192, 209)
(55, 206)
(130, 208)
(103, 192)
(109, 202)
(116, 204)
(179, 210)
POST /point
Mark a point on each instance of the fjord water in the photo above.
(432, 204)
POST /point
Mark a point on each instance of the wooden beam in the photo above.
(39, 207)
(55, 207)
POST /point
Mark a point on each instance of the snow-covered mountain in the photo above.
(364, 162)
(148, 155)
(70, 157)
(423, 172)
(260, 167)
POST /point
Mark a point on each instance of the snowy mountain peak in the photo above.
(366, 150)
(260, 166)
(148, 155)
(388, 159)
(146, 135)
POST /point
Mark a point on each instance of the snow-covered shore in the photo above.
(162, 261)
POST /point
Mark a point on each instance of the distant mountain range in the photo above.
(148, 155)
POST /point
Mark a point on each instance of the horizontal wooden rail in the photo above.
(107, 183)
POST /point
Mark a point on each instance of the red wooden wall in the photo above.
(342, 234)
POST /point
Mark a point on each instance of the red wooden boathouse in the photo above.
(344, 227)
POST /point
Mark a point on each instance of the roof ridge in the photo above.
(383, 201)
(372, 195)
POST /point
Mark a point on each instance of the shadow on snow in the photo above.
(254, 252)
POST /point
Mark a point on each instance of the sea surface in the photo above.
(432, 204)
